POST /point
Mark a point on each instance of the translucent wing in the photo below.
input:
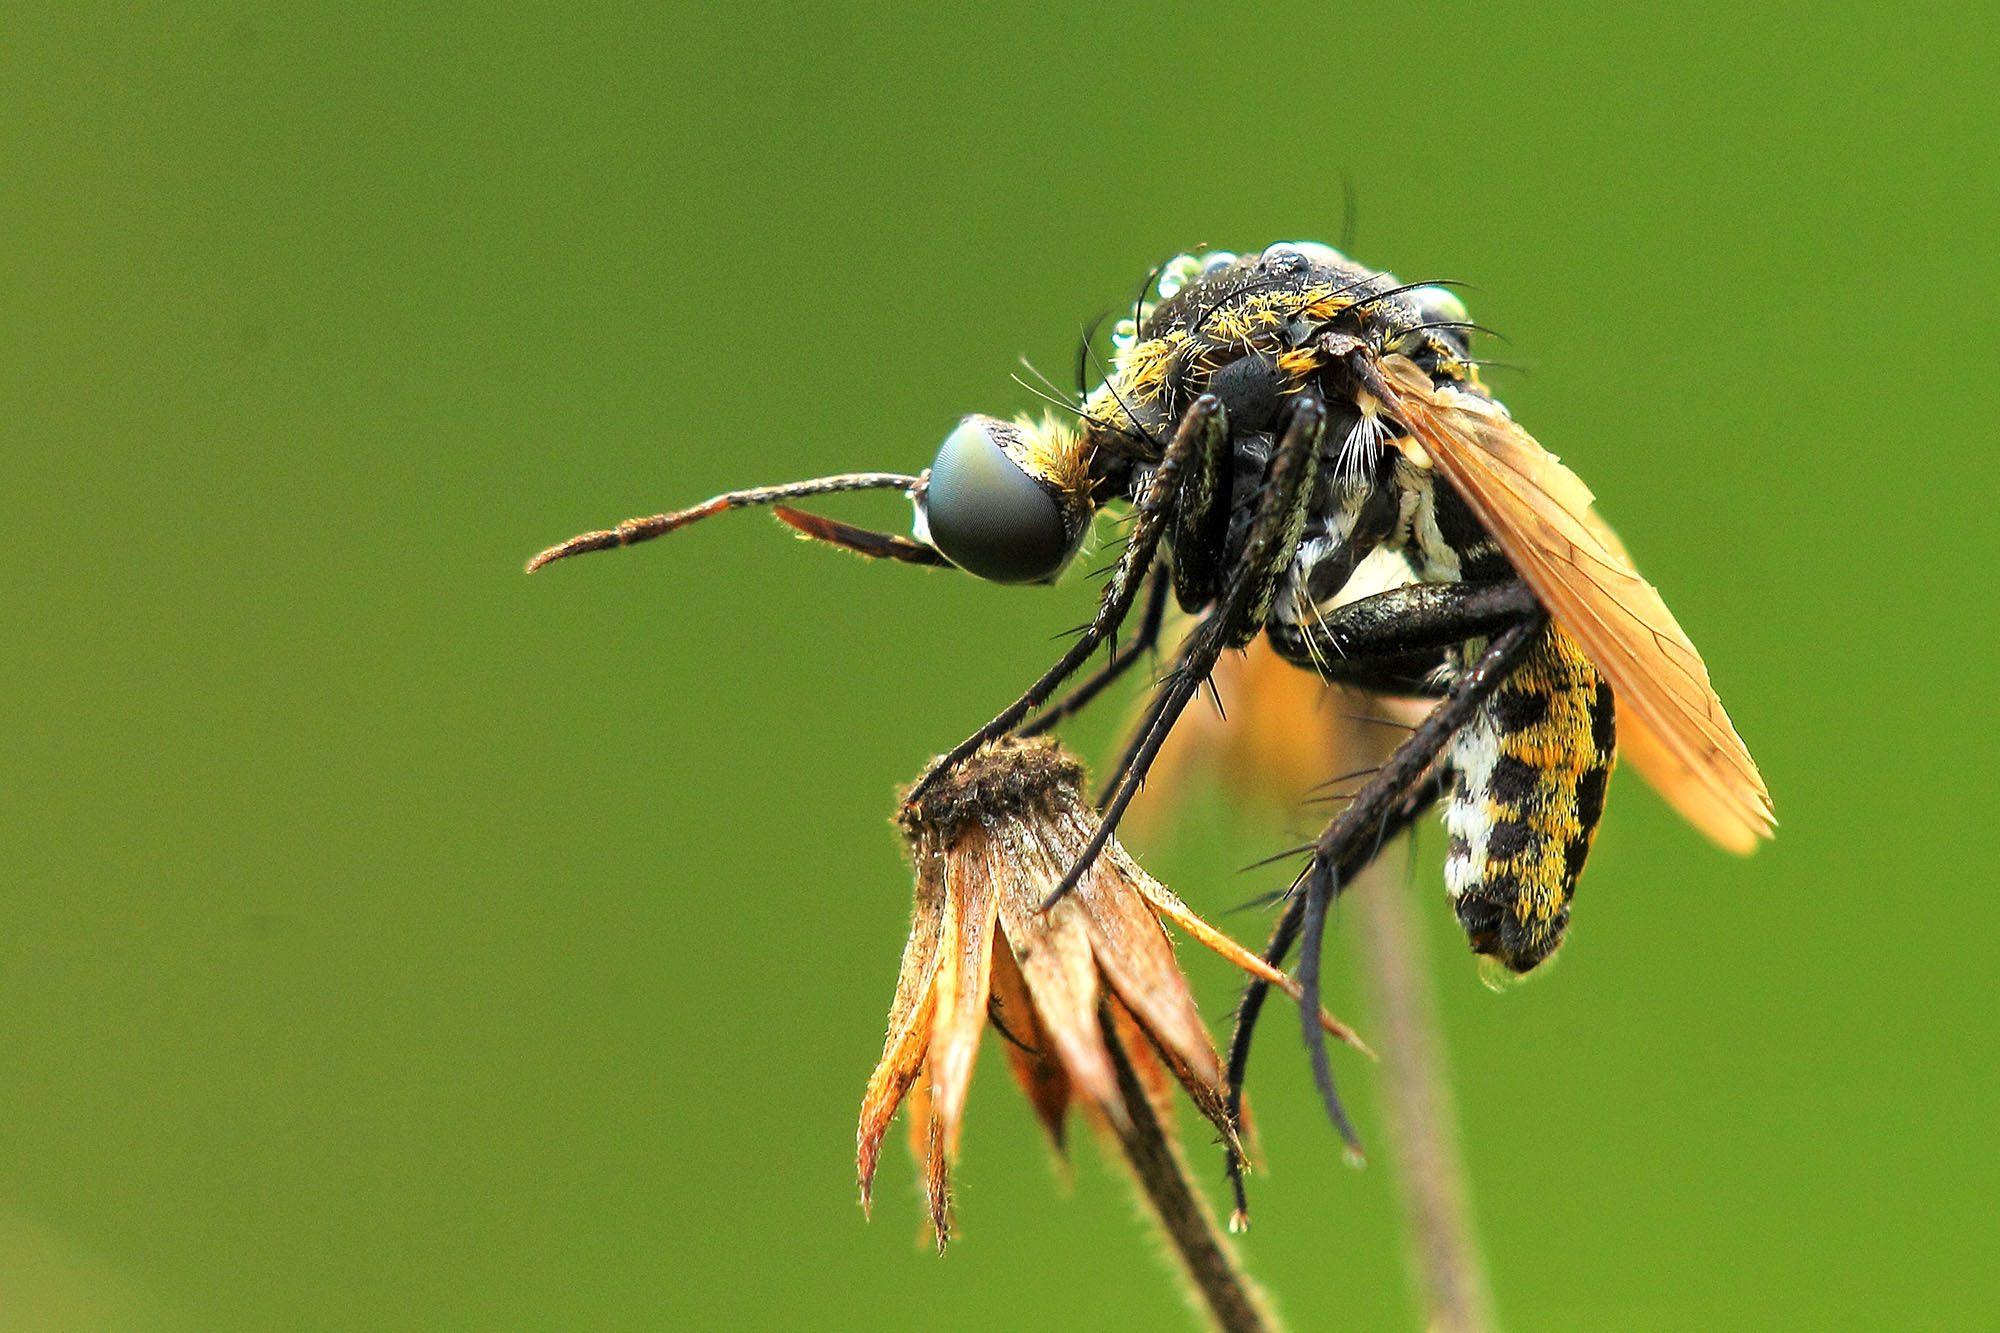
(1671, 725)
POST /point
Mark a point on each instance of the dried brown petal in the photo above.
(927, 1147)
(1173, 909)
(1059, 968)
(964, 977)
(1034, 1065)
(909, 1023)
(1138, 959)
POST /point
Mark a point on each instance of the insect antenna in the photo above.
(861, 541)
(1350, 211)
(634, 530)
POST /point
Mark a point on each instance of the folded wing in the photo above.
(1672, 727)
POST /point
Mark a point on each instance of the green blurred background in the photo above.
(391, 940)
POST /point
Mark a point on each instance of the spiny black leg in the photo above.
(1359, 824)
(1274, 537)
(1203, 420)
(1276, 529)
(1403, 621)
(1286, 932)
(1319, 894)
(1358, 832)
(1168, 704)
(1393, 642)
(1163, 698)
(1120, 661)
(1201, 525)
(1416, 676)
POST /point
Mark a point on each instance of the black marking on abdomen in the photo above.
(1526, 789)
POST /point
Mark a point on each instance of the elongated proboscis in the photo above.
(658, 525)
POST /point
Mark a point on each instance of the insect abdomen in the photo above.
(1525, 789)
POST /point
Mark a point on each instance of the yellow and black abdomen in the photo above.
(1524, 788)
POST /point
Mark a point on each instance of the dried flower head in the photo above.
(989, 844)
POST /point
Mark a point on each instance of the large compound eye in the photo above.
(987, 515)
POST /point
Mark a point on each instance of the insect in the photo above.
(1272, 421)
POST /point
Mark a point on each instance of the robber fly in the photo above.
(1271, 421)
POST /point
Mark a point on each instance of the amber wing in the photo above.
(1671, 724)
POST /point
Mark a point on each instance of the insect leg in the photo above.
(1199, 426)
(1419, 618)
(1274, 536)
(1357, 833)
(1283, 936)
(1359, 824)
(1415, 676)
(1201, 524)
(1120, 661)
(645, 529)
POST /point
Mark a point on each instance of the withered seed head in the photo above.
(1008, 778)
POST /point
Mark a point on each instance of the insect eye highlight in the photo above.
(988, 516)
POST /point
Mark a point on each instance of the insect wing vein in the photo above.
(1538, 511)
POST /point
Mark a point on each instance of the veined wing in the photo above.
(1539, 512)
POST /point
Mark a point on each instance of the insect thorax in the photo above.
(1524, 782)
(1253, 330)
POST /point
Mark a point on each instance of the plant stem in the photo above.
(1430, 1177)
(1211, 1268)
